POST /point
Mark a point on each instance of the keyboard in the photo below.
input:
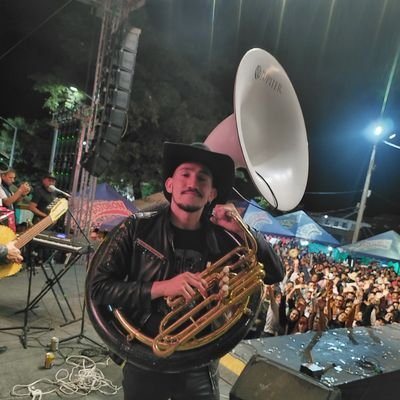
(58, 243)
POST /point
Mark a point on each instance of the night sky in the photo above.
(340, 55)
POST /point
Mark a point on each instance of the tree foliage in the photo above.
(60, 97)
(172, 99)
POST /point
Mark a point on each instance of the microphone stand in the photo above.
(81, 335)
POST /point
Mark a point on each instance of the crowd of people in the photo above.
(318, 294)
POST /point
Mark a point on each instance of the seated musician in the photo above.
(42, 196)
(9, 193)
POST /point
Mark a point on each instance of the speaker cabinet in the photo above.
(113, 119)
(122, 80)
(347, 364)
(263, 379)
(125, 60)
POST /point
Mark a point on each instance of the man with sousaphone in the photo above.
(156, 261)
(173, 290)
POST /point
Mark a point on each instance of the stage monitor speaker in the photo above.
(263, 379)
(358, 363)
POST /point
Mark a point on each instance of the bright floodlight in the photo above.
(378, 130)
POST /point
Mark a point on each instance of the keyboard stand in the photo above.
(81, 335)
(51, 282)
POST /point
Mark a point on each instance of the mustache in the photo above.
(192, 191)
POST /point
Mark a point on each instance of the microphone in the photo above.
(54, 189)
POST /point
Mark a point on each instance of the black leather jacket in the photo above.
(141, 251)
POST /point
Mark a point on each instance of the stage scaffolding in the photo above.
(113, 13)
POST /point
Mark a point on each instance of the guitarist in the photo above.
(8, 252)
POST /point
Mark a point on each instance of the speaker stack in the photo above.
(114, 115)
(340, 364)
(66, 149)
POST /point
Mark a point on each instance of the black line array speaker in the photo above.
(340, 364)
(113, 121)
(263, 379)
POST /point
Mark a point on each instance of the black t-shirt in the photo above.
(189, 246)
(42, 198)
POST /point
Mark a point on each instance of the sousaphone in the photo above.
(266, 135)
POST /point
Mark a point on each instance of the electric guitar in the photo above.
(57, 208)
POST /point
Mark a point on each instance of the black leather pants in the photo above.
(197, 384)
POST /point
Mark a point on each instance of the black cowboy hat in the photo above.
(221, 166)
(49, 175)
(3, 167)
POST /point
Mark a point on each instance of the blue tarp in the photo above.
(109, 204)
(106, 192)
(109, 224)
(264, 222)
(304, 227)
(385, 245)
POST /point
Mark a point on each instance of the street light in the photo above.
(378, 132)
(10, 162)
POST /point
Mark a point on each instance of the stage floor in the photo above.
(23, 366)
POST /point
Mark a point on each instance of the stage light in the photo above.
(378, 130)
(381, 130)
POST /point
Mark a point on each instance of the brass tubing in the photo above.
(245, 277)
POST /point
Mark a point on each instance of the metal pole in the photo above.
(10, 164)
(53, 149)
(11, 160)
(364, 195)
